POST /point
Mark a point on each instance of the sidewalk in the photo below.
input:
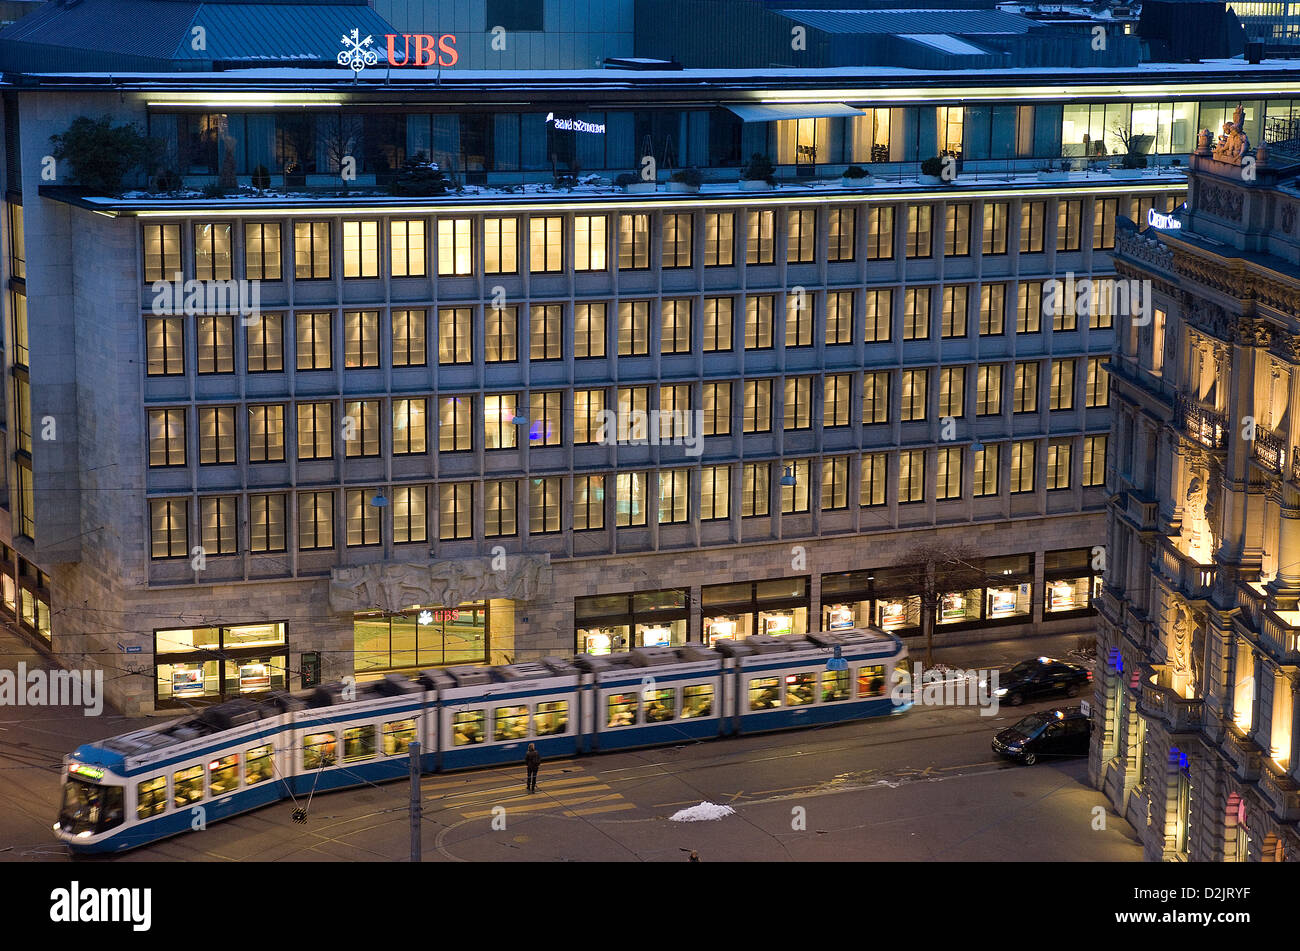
(1000, 654)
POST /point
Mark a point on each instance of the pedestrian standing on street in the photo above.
(533, 760)
(695, 856)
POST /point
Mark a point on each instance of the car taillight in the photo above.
(1089, 674)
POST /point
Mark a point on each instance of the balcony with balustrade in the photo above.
(1270, 452)
(1163, 699)
(1200, 423)
(1192, 579)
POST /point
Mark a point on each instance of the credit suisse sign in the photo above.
(417, 49)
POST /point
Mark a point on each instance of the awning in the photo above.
(809, 110)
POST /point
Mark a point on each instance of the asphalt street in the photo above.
(922, 786)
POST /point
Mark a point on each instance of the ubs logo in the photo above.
(424, 53)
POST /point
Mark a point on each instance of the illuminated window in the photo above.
(546, 332)
(588, 330)
(835, 483)
(758, 322)
(455, 510)
(216, 344)
(918, 231)
(311, 250)
(501, 245)
(715, 493)
(1032, 215)
(266, 523)
(264, 339)
(1029, 307)
(956, 230)
(315, 341)
(455, 335)
(719, 238)
(798, 403)
(995, 227)
(911, 475)
(675, 326)
(1062, 385)
(755, 489)
(361, 249)
(546, 413)
(916, 313)
(361, 338)
(880, 233)
(1094, 460)
(455, 247)
(953, 318)
(760, 243)
(841, 226)
(546, 245)
(718, 319)
(500, 338)
(795, 498)
(677, 234)
(219, 518)
(633, 328)
(875, 397)
(993, 304)
(262, 251)
(799, 319)
(1069, 216)
(544, 506)
(716, 405)
(1023, 458)
(265, 433)
(212, 252)
(1097, 390)
(455, 431)
(947, 480)
(216, 435)
(988, 390)
(633, 242)
(839, 317)
(315, 430)
(499, 429)
(587, 408)
(315, 520)
(164, 335)
(674, 495)
(913, 392)
(162, 252)
(629, 499)
(410, 347)
(1024, 396)
(166, 437)
(1105, 211)
(878, 310)
(406, 237)
(500, 508)
(169, 533)
(984, 467)
(800, 235)
(589, 242)
(758, 406)
(1058, 465)
(871, 489)
(409, 427)
(588, 502)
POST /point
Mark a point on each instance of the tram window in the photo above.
(660, 705)
(398, 736)
(188, 784)
(835, 685)
(319, 750)
(257, 765)
(151, 797)
(467, 727)
(223, 774)
(511, 723)
(622, 710)
(799, 688)
(551, 717)
(697, 701)
(764, 693)
(871, 681)
(358, 743)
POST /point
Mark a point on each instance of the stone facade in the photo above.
(1196, 720)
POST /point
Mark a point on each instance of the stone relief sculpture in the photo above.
(396, 586)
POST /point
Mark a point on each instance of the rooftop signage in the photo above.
(575, 125)
(429, 50)
(1165, 222)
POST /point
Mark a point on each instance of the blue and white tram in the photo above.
(163, 780)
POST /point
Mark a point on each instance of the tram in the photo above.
(241, 755)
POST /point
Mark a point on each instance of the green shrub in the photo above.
(691, 177)
(759, 168)
(101, 155)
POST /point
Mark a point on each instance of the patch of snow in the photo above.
(704, 812)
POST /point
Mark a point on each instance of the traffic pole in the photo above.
(415, 801)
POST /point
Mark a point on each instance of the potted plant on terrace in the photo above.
(855, 176)
(633, 184)
(685, 180)
(932, 171)
(758, 174)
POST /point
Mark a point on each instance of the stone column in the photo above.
(1295, 728)
(1284, 589)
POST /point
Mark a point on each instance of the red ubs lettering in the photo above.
(424, 53)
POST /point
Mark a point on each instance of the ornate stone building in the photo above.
(1198, 630)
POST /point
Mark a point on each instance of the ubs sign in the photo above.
(426, 50)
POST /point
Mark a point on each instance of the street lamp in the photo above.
(788, 478)
(837, 662)
(379, 501)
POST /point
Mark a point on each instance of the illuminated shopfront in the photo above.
(1009, 595)
(737, 611)
(620, 622)
(1070, 582)
(211, 664)
(420, 637)
(25, 593)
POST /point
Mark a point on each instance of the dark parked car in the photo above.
(1042, 677)
(1046, 735)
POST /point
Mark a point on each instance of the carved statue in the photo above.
(1180, 645)
(397, 586)
(1233, 143)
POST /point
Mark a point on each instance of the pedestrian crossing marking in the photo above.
(545, 804)
(615, 807)
(489, 793)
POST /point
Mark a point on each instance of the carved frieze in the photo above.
(396, 586)
(1220, 201)
(1251, 332)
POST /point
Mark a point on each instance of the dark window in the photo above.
(515, 15)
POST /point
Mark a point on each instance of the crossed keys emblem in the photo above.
(357, 53)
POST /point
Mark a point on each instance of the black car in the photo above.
(1046, 735)
(1041, 677)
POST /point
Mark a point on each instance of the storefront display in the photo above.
(839, 617)
(1071, 581)
(773, 608)
(622, 622)
(1010, 601)
(955, 607)
(421, 636)
(185, 670)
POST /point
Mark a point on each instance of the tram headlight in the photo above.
(1000, 692)
(84, 835)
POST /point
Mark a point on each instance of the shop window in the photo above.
(697, 701)
(510, 723)
(551, 718)
(764, 693)
(223, 774)
(258, 766)
(958, 606)
(608, 623)
(467, 727)
(799, 689)
(151, 797)
(188, 786)
(621, 710)
(660, 706)
(835, 685)
(319, 750)
(871, 681)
